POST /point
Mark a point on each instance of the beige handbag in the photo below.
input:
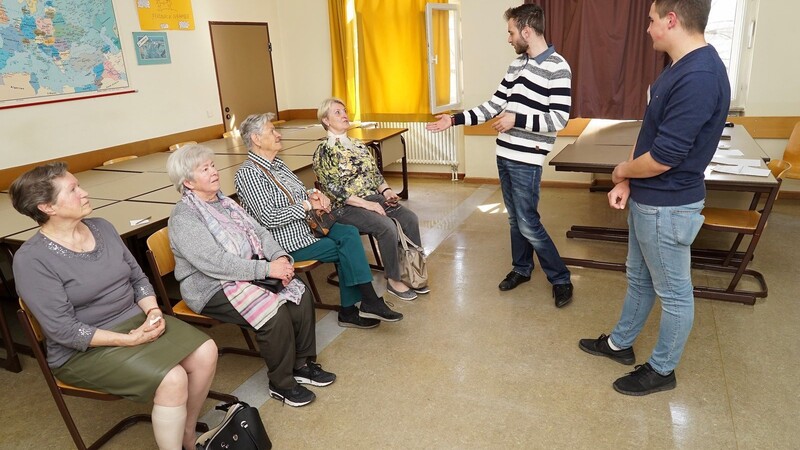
(413, 266)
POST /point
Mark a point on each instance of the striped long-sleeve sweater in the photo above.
(538, 91)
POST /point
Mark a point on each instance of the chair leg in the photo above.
(378, 263)
(317, 298)
(734, 247)
(251, 350)
(122, 425)
(227, 398)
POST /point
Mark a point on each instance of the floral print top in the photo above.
(345, 167)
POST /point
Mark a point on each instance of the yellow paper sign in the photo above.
(165, 14)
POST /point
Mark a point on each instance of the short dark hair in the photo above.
(35, 187)
(693, 14)
(527, 15)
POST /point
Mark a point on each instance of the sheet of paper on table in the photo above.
(742, 170)
(736, 161)
(728, 153)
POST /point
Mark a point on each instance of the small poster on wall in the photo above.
(165, 14)
(152, 47)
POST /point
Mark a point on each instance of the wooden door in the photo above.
(243, 61)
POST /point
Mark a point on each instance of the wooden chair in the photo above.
(306, 267)
(32, 330)
(120, 159)
(162, 263)
(792, 154)
(227, 134)
(744, 223)
(174, 147)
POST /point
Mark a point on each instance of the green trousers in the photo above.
(342, 246)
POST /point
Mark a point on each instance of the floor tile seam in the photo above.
(257, 399)
(724, 374)
(458, 215)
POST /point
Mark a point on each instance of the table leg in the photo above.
(11, 361)
(598, 233)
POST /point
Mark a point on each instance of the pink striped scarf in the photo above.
(235, 232)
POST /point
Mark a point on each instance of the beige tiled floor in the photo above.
(471, 367)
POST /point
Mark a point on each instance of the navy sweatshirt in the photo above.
(681, 128)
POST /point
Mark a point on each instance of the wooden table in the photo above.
(303, 148)
(309, 133)
(600, 153)
(300, 165)
(120, 214)
(154, 162)
(230, 145)
(121, 185)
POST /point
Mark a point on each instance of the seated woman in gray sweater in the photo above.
(219, 250)
(98, 311)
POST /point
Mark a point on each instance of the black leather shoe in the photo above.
(512, 280)
(562, 293)
(644, 380)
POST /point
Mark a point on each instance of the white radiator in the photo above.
(425, 147)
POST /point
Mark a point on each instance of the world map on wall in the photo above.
(57, 47)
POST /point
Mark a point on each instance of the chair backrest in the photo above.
(34, 324)
(792, 152)
(174, 147)
(778, 167)
(33, 332)
(162, 263)
(120, 159)
(158, 246)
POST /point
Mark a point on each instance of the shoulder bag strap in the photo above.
(275, 180)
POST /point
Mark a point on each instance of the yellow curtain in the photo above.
(380, 59)
(342, 54)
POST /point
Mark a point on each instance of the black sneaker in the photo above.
(600, 347)
(296, 396)
(313, 374)
(562, 293)
(644, 380)
(379, 310)
(353, 320)
(512, 280)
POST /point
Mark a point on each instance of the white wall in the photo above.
(170, 98)
(183, 95)
(305, 55)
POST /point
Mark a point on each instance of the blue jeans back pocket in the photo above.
(686, 224)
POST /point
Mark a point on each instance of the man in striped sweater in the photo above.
(532, 103)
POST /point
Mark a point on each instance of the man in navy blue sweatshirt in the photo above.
(663, 184)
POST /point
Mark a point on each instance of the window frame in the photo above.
(455, 50)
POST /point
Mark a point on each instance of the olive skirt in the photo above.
(132, 372)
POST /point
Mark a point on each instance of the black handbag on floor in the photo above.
(241, 429)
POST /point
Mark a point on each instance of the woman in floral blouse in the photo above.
(349, 175)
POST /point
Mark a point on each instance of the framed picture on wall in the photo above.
(152, 47)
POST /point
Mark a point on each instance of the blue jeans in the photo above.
(659, 263)
(520, 184)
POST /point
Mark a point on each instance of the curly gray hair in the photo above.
(254, 124)
(181, 163)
